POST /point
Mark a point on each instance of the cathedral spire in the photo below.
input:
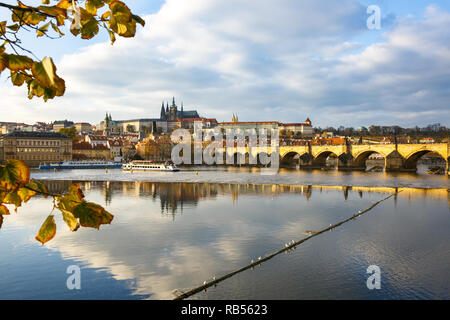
(163, 113)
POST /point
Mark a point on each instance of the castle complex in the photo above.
(170, 118)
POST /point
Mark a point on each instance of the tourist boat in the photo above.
(138, 165)
(88, 164)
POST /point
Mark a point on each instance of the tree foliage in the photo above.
(70, 132)
(16, 188)
(84, 19)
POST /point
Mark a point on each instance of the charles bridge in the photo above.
(397, 157)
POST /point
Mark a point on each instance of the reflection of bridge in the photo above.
(397, 157)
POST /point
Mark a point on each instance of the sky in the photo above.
(263, 60)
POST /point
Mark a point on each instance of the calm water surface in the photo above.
(168, 236)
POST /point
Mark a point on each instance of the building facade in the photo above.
(58, 125)
(35, 148)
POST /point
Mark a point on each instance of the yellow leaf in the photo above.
(44, 72)
(2, 27)
(13, 198)
(4, 211)
(14, 174)
(3, 61)
(47, 231)
(16, 62)
(92, 215)
(70, 219)
(64, 4)
(17, 78)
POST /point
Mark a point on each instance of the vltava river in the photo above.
(169, 236)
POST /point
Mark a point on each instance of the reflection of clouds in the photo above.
(210, 238)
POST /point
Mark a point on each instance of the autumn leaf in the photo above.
(4, 210)
(92, 215)
(44, 72)
(17, 78)
(70, 220)
(18, 63)
(14, 174)
(2, 27)
(25, 194)
(47, 231)
(13, 198)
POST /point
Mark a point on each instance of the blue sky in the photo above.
(262, 59)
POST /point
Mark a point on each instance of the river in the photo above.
(173, 231)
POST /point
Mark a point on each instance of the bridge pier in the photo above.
(395, 163)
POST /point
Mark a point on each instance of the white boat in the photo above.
(139, 165)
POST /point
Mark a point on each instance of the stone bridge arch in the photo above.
(412, 159)
(360, 158)
(321, 158)
(294, 157)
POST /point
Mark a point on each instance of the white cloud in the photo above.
(265, 60)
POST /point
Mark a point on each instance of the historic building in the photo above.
(35, 148)
(173, 114)
(86, 151)
(170, 117)
(155, 147)
(62, 124)
(303, 129)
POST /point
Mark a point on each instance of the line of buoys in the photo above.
(288, 247)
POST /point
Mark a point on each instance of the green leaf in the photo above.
(89, 29)
(47, 231)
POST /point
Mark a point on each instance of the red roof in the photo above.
(294, 124)
(252, 122)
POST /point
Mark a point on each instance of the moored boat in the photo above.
(89, 164)
(143, 165)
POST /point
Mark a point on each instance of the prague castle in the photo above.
(170, 118)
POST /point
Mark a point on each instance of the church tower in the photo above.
(173, 111)
(163, 112)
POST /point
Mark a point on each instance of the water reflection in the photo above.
(168, 236)
(174, 196)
